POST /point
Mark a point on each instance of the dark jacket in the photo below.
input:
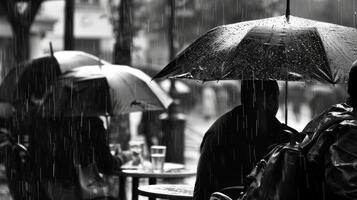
(331, 153)
(232, 146)
(54, 144)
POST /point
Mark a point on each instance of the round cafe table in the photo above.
(167, 191)
(171, 171)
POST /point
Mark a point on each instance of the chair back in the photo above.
(233, 192)
(18, 170)
(21, 161)
(219, 196)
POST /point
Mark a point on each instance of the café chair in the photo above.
(18, 171)
(219, 196)
(228, 193)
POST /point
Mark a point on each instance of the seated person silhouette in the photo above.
(238, 139)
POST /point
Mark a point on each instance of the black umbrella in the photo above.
(281, 48)
(33, 77)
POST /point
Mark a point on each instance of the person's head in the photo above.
(260, 94)
(352, 85)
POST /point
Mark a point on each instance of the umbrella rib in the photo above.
(131, 90)
(327, 75)
(231, 57)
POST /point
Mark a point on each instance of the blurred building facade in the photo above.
(92, 29)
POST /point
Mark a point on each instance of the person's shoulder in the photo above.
(221, 124)
(226, 120)
(231, 114)
(334, 114)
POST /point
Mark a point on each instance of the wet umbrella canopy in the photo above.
(104, 90)
(35, 76)
(281, 48)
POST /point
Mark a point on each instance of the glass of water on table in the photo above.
(158, 154)
(115, 149)
(137, 147)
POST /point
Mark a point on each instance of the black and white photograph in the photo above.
(178, 99)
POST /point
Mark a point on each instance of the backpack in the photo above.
(278, 177)
(296, 171)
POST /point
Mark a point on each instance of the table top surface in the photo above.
(167, 191)
(171, 170)
(179, 173)
(167, 166)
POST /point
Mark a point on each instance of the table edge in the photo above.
(157, 175)
(163, 196)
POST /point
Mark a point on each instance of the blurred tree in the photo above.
(124, 33)
(68, 25)
(127, 18)
(21, 15)
(121, 18)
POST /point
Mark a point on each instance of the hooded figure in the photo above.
(238, 139)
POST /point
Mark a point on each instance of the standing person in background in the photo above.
(222, 100)
(238, 139)
(150, 127)
(209, 102)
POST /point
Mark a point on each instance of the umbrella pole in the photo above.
(286, 102)
(51, 50)
(287, 11)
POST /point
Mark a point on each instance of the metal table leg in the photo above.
(134, 189)
(122, 184)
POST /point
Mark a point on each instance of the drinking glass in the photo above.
(158, 154)
(137, 148)
(115, 148)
